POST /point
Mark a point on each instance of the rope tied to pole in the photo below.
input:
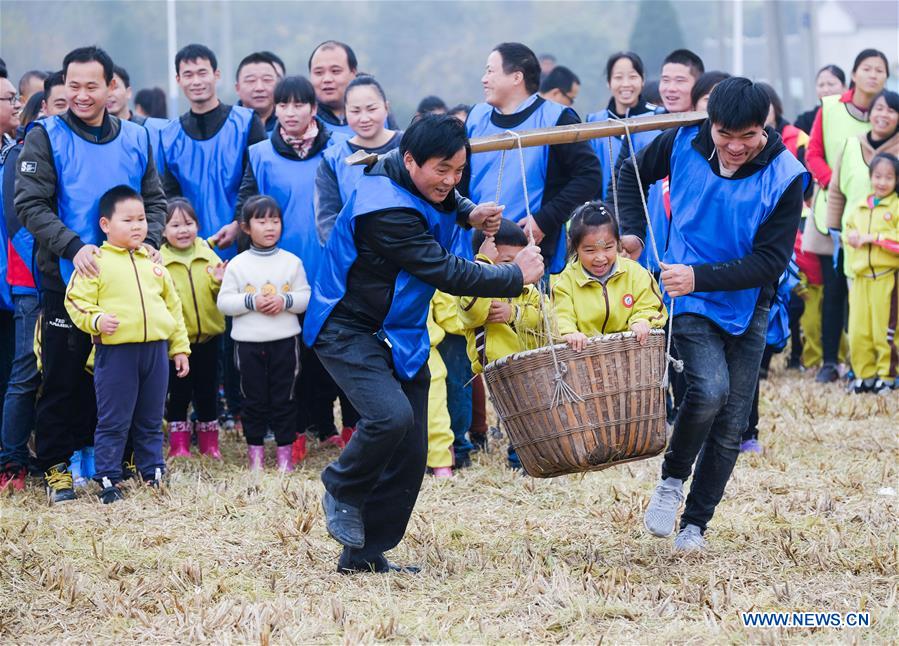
(677, 364)
(562, 392)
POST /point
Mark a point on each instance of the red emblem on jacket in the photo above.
(628, 300)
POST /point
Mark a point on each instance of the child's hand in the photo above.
(218, 272)
(577, 340)
(155, 256)
(107, 324)
(182, 365)
(500, 312)
(488, 248)
(269, 305)
(641, 329)
(853, 239)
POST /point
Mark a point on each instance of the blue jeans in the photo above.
(24, 380)
(721, 372)
(454, 351)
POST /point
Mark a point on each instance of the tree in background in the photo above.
(656, 33)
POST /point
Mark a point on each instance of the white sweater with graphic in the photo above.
(257, 272)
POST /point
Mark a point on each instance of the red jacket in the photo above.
(814, 158)
(808, 263)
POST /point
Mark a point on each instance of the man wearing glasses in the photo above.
(10, 105)
(561, 85)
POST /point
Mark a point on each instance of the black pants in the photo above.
(65, 413)
(833, 307)
(200, 385)
(797, 309)
(229, 375)
(268, 376)
(382, 467)
(7, 351)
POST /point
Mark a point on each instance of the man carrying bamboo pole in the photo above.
(736, 198)
(558, 178)
(367, 323)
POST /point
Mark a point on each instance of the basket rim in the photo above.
(599, 338)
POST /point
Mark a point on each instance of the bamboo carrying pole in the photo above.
(564, 134)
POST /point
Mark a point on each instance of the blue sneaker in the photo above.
(514, 461)
(751, 446)
(88, 467)
(77, 471)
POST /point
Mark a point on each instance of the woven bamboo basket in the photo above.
(621, 417)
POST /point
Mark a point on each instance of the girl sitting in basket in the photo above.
(601, 292)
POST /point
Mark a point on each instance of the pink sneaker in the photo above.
(179, 439)
(208, 439)
(334, 440)
(442, 472)
(255, 457)
(285, 458)
(346, 433)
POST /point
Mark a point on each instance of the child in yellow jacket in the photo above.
(496, 328)
(197, 273)
(440, 432)
(873, 229)
(132, 310)
(600, 292)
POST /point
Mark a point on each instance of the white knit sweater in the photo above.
(264, 271)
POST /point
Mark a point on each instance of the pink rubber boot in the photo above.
(346, 433)
(285, 458)
(255, 457)
(179, 439)
(208, 439)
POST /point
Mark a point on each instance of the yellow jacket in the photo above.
(139, 292)
(491, 341)
(192, 272)
(871, 260)
(446, 314)
(583, 304)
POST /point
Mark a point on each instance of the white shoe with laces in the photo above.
(689, 539)
(663, 507)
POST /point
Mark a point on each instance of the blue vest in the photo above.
(347, 175)
(5, 293)
(405, 325)
(291, 182)
(715, 219)
(601, 146)
(658, 220)
(209, 171)
(155, 127)
(779, 316)
(85, 171)
(485, 172)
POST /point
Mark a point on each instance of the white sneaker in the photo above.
(689, 539)
(663, 507)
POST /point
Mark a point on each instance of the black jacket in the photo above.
(205, 126)
(773, 243)
(573, 175)
(36, 197)
(394, 240)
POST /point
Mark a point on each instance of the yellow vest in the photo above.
(837, 125)
(139, 292)
(197, 287)
(871, 260)
(583, 304)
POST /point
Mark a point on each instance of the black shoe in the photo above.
(343, 522)
(110, 493)
(794, 364)
(379, 565)
(827, 374)
(129, 469)
(461, 461)
(880, 387)
(479, 440)
(59, 484)
(155, 480)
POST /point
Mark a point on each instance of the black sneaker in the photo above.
(858, 386)
(827, 374)
(479, 440)
(880, 387)
(110, 493)
(155, 480)
(59, 484)
(378, 565)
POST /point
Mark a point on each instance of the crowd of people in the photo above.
(171, 277)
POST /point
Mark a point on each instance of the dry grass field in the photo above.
(221, 557)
